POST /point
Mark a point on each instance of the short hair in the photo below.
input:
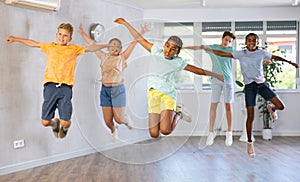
(177, 40)
(116, 39)
(66, 26)
(251, 34)
(227, 33)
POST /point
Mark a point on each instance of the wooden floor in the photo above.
(277, 160)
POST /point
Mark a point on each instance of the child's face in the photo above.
(252, 43)
(226, 41)
(114, 48)
(170, 49)
(63, 37)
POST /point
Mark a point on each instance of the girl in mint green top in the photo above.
(163, 70)
(160, 81)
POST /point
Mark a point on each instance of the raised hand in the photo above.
(120, 20)
(144, 28)
(10, 39)
(80, 30)
(294, 64)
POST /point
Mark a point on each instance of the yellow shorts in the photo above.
(157, 102)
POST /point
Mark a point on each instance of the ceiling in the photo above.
(175, 4)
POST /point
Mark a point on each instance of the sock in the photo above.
(54, 124)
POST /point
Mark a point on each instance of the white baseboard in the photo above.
(56, 158)
(235, 133)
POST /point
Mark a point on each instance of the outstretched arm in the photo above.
(200, 71)
(136, 35)
(95, 47)
(129, 49)
(216, 52)
(27, 42)
(92, 46)
(192, 47)
(84, 35)
(278, 58)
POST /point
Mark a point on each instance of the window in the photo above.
(283, 35)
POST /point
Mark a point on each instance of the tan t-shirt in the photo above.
(112, 68)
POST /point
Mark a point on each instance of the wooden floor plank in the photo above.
(276, 160)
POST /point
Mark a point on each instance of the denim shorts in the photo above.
(113, 96)
(216, 90)
(57, 97)
(252, 89)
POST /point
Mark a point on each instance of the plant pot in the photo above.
(267, 134)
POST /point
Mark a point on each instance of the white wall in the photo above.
(22, 70)
(229, 14)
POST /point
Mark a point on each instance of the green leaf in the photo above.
(240, 84)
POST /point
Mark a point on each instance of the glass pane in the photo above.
(288, 46)
(281, 25)
(185, 79)
(216, 26)
(249, 26)
(178, 29)
(206, 60)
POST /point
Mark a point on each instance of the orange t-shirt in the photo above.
(60, 62)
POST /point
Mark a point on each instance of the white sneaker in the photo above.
(228, 141)
(210, 138)
(273, 114)
(114, 135)
(129, 124)
(185, 115)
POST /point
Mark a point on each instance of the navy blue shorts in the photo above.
(59, 97)
(113, 96)
(252, 89)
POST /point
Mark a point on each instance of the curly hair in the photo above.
(177, 40)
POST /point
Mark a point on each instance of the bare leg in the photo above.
(168, 121)
(249, 121)
(229, 116)
(47, 122)
(119, 115)
(250, 118)
(154, 120)
(108, 117)
(64, 123)
(121, 118)
(278, 105)
(212, 116)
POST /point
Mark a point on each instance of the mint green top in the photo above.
(162, 71)
(222, 65)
